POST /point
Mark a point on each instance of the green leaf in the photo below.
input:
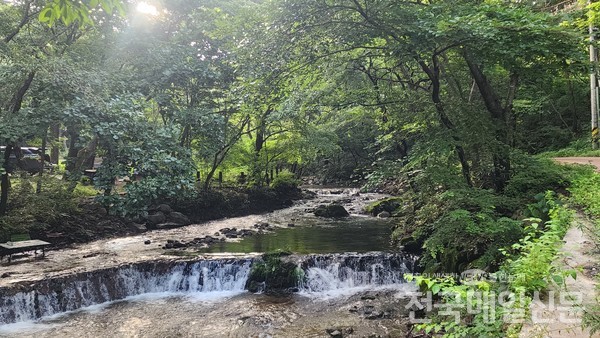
(45, 15)
(558, 279)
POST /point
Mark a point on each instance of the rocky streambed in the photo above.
(359, 294)
(191, 281)
(242, 315)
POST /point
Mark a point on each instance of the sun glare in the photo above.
(146, 8)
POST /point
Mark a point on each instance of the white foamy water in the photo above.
(164, 298)
(203, 280)
(331, 276)
(47, 323)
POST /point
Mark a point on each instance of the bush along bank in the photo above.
(205, 205)
(507, 239)
(64, 216)
(469, 306)
(454, 227)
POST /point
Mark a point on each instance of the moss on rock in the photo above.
(389, 204)
(271, 274)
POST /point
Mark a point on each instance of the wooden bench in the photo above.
(22, 243)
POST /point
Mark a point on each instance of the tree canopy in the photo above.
(342, 90)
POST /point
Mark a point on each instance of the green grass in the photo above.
(577, 148)
(82, 190)
(585, 191)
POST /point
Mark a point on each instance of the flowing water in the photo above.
(360, 293)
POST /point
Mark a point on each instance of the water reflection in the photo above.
(353, 234)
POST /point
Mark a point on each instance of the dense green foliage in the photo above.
(529, 268)
(585, 189)
(440, 102)
(531, 259)
(30, 211)
(285, 182)
(460, 228)
(241, 89)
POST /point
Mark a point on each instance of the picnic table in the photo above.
(11, 248)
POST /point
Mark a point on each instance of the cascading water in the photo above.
(337, 273)
(348, 271)
(69, 293)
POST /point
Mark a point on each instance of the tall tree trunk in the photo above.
(434, 75)
(211, 173)
(55, 148)
(83, 156)
(74, 148)
(13, 107)
(24, 19)
(258, 146)
(573, 107)
(221, 154)
(38, 188)
(500, 116)
(5, 183)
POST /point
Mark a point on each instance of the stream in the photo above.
(352, 282)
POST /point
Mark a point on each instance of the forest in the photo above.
(221, 108)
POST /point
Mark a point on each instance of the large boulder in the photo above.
(273, 274)
(383, 214)
(167, 225)
(156, 218)
(389, 205)
(179, 218)
(137, 227)
(164, 208)
(331, 211)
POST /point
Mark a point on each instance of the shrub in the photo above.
(531, 261)
(462, 239)
(536, 175)
(459, 228)
(531, 264)
(284, 182)
(579, 147)
(31, 211)
(585, 190)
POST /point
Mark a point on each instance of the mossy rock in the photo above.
(273, 275)
(389, 204)
(331, 211)
(411, 245)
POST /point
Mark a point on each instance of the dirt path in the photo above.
(595, 161)
(560, 316)
(555, 316)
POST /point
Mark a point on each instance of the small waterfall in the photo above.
(49, 297)
(331, 274)
(341, 272)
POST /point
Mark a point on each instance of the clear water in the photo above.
(351, 234)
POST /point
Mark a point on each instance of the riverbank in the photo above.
(110, 252)
(89, 221)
